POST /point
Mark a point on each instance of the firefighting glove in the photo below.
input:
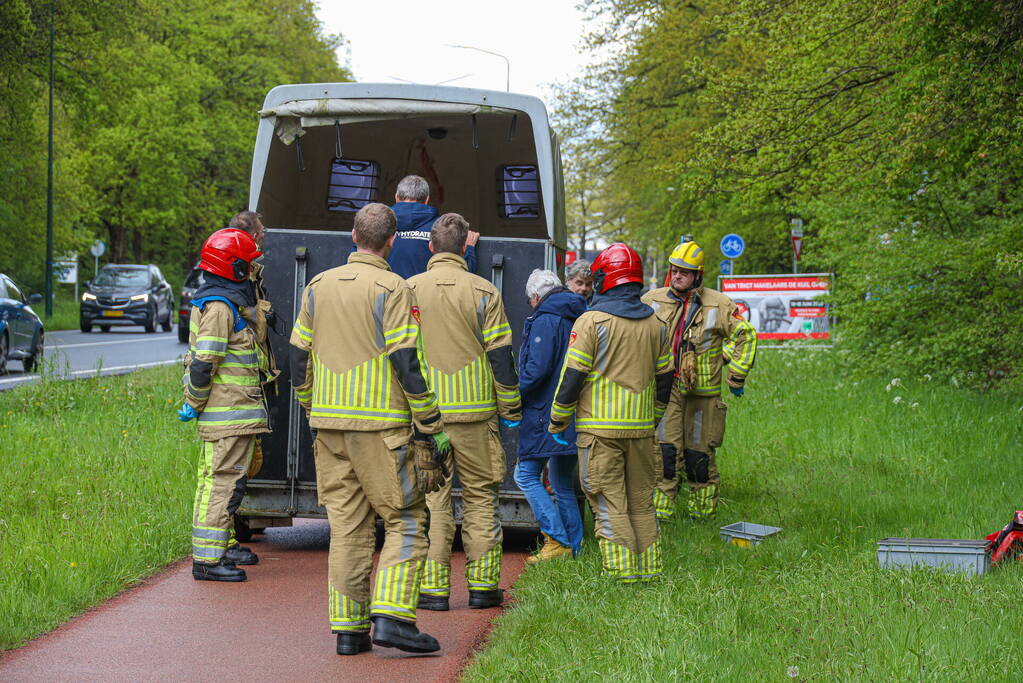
(429, 463)
(186, 413)
(257, 459)
(669, 458)
(687, 370)
(736, 391)
(510, 424)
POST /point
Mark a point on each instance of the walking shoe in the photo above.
(222, 571)
(239, 554)
(389, 632)
(550, 550)
(352, 642)
(485, 599)
(434, 603)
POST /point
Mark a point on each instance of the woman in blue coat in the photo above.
(544, 342)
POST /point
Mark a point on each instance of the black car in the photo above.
(127, 295)
(192, 283)
(21, 330)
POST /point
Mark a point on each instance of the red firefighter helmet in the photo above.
(228, 253)
(615, 266)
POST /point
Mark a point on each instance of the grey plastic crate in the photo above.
(746, 534)
(958, 555)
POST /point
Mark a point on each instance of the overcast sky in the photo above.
(400, 40)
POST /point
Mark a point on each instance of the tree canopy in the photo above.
(156, 112)
(891, 128)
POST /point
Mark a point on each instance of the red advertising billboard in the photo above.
(782, 306)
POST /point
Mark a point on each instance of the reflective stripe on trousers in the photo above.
(436, 579)
(397, 591)
(346, 614)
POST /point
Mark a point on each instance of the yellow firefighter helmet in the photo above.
(687, 255)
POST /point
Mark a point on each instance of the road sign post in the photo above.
(797, 243)
(97, 249)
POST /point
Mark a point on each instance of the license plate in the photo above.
(113, 314)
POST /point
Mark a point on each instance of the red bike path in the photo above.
(272, 627)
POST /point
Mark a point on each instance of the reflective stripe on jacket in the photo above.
(621, 358)
(718, 332)
(222, 373)
(467, 342)
(356, 343)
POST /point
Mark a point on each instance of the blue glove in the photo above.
(510, 424)
(557, 437)
(737, 391)
(186, 413)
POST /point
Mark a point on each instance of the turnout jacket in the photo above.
(715, 329)
(355, 362)
(264, 311)
(223, 372)
(467, 342)
(616, 376)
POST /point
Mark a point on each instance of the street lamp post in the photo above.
(507, 64)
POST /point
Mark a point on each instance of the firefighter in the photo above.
(616, 379)
(467, 343)
(356, 372)
(708, 333)
(263, 318)
(222, 389)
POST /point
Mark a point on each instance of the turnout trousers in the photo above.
(479, 462)
(360, 475)
(222, 465)
(618, 478)
(695, 427)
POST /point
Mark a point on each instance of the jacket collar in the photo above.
(447, 260)
(369, 260)
(675, 298)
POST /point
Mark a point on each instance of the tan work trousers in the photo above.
(479, 461)
(222, 464)
(695, 424)
(618, 477)
(360, 475)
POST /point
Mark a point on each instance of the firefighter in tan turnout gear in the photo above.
(616, 378)
(263, 319)
(708, 334)
(355, 370)
(467, 344)
(224, 371)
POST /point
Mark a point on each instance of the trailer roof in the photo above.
(288, 109)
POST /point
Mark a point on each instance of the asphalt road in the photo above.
(72, 354)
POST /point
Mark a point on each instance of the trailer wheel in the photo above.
(241, 529)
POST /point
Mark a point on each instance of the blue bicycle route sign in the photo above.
(732, 245)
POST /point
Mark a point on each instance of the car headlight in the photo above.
(140, 297)
(88, 297)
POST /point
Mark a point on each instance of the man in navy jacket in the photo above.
(545, 337)
(411, 250)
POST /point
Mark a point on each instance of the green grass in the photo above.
(95, 492)
(838, 464)
(65, 310)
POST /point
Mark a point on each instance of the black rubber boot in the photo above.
(434, 603)
(389, 632)
(222, 571)
(485, 599)
(239, 554)
(351, 643)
